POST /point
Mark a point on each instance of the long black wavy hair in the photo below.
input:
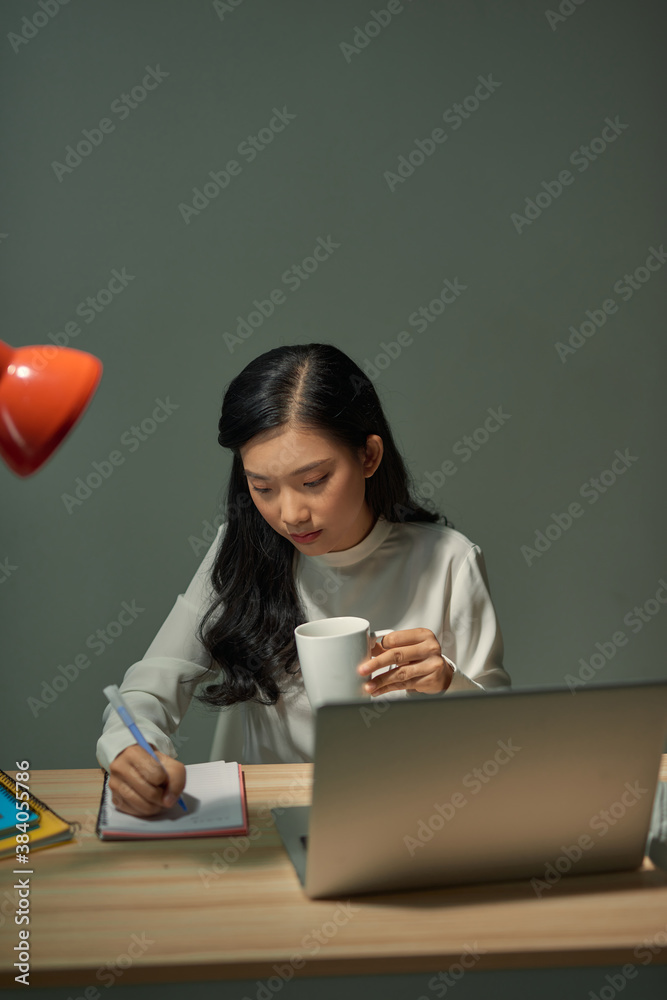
(249, 627)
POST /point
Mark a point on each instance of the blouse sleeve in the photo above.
(472, 640)
(151, 687)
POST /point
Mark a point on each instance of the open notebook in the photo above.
(214, 794)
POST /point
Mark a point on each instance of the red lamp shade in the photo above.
(43, 392)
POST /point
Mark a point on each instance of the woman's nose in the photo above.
(294, 511)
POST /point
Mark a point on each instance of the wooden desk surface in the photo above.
(224, 908)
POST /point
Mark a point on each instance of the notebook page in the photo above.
(212, 794)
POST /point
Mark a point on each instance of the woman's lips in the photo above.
(307, 538)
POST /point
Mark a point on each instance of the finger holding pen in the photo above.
(132, 779)
(137, 782)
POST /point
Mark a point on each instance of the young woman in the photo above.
(320, 522)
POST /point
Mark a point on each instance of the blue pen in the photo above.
(118, 702)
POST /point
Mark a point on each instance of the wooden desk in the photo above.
(207, 909)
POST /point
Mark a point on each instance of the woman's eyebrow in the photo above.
(296, 472)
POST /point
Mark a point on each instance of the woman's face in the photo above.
(304, 483)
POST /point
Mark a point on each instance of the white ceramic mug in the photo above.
(330, 650)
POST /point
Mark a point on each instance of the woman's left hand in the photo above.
(420, 666)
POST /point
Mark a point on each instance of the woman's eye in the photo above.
(315, 482)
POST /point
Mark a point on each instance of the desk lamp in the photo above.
(43, 393)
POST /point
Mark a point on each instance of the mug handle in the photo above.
(377, 635)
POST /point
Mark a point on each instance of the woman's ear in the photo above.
(373, 454)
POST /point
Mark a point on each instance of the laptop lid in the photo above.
(529, 783)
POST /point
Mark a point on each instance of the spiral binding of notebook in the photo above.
(44, 827)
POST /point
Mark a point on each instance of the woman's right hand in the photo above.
(138, 783)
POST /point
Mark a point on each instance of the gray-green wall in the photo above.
(170, 333)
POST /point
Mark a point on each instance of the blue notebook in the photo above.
(8, 811)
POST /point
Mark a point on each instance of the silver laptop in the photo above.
(425, 791)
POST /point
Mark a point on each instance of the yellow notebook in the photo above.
(51, 828)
